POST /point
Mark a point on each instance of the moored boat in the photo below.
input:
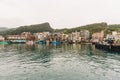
(18, 41)
(112, 48)
(4, 42)
(56, 42)
(42, 42)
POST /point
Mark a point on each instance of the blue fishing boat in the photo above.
(42, 42)
(56, 42)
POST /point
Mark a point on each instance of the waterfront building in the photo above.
(81, 36)
(116, 37)
(30, 37)
(63, 37)
(1, 38)
(98, 36)
(110, 37)
(74, 37)
(56, 37)
(42, 35)
(15, 37)
(20, 38)
(85, 35)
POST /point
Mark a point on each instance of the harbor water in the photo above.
(57, 62)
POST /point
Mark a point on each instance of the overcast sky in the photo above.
(59, 13)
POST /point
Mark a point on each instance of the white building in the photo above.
(114, 36)
(75, 36)
(41, 35)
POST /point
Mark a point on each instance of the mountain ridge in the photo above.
(95, 27)
(29, 28)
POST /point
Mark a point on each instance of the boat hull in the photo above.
(18, 41)
(42, 42)
(56, 42)
(112, 48)
(5, 42)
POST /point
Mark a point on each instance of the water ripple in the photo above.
(63, 62)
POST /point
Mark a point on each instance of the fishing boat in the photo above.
(18, 41)
(70, 42)
(42, 42)
(4, 42)
(112, 48)
(56, 42)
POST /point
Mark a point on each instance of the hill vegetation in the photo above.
(115, 27)
(32, 28)
(96, 27)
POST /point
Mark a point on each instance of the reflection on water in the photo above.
(57, 62)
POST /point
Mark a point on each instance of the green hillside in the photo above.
(115, 27)
(31, 28)
(96, 27)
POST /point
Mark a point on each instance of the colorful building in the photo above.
(75, 37)
(41, 35)
(85, 35)
(98, 36)
(2, 38)
(116, 37)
